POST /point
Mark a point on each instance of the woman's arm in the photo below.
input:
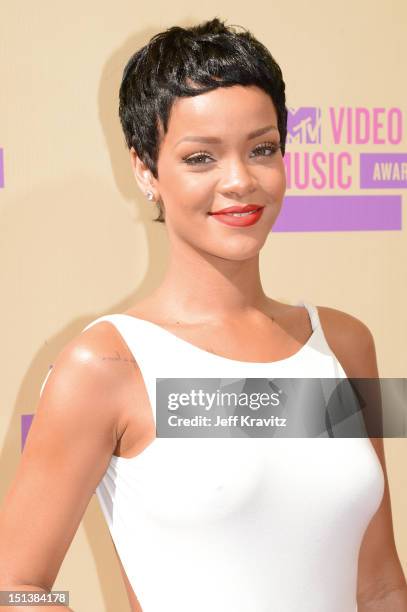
(67, 451)
(381, 582)
(382, 585)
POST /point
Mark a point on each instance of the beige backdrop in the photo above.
(77, 238)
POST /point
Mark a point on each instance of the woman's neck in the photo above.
(200, 288)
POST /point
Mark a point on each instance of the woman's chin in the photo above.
(239, 252)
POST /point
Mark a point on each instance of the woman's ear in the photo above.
(143, 175)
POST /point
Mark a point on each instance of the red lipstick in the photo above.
(237, 209)
(251, 213)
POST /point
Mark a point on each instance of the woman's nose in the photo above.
(237, 179)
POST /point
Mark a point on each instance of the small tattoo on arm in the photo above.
(119, 358)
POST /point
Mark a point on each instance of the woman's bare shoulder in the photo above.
(342, 324)
(349, 337)
(99, 351)
(93, 368)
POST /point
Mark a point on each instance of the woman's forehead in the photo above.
(221, 110)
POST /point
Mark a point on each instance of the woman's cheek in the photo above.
(197, 195)
(276, 184)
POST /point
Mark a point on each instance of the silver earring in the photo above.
(150, 195)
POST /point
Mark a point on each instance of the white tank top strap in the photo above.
(312, 311)
(45, 380)
(320, 341)
(108, 317)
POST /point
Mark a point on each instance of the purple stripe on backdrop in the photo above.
(339, 213)
(25, 426)
(1, 168)
(387, 170)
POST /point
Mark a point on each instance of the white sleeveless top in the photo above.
(239, 524)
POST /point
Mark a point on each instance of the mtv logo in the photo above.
(304, 125)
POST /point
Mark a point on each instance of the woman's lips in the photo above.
(235, 221)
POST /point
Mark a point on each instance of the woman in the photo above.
(239, 524)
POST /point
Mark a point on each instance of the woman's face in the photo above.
(209, 160)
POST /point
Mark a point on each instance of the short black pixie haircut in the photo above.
(190, 61)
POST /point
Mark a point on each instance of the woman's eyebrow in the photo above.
(214, 139)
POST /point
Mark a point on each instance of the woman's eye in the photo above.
(196, 159)
(267, 149)
(267, 146)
